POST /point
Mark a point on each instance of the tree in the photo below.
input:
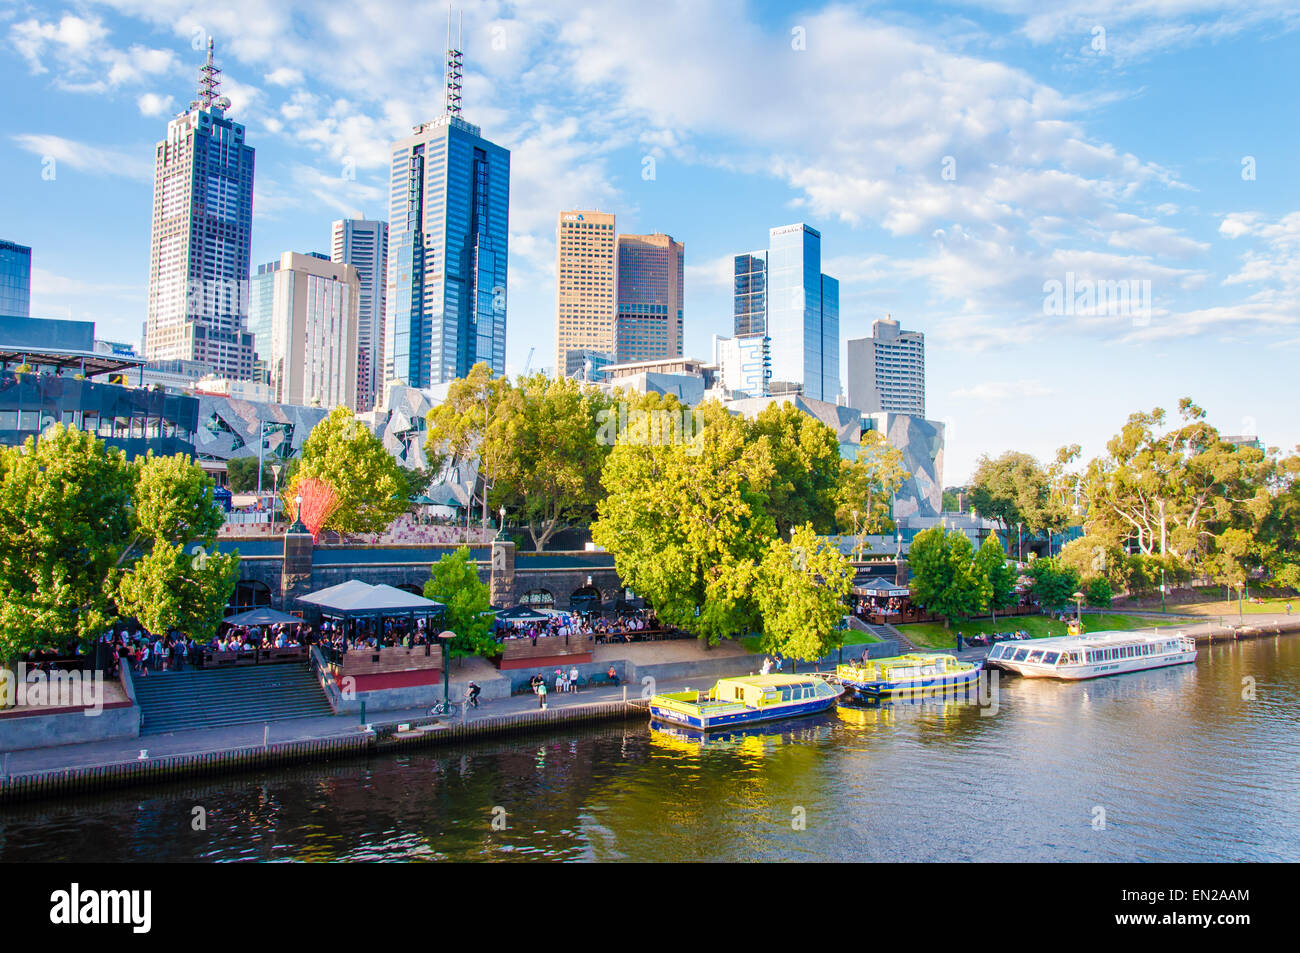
(550, 457)
(1099, 593)
(369, 482)
(456, 584)
(687, 525)
(161, 584)
(1014, 488)
(806, 459)
(1054, 583)
(464, 425)
(241, 475)
(802, 585)
(65, 519)
(991, 565)
(1094, 556)
(868, 484)
(944, 580)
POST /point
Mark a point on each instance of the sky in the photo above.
(992, 174)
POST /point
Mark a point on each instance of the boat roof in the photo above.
(770, 681)
(1100, 639)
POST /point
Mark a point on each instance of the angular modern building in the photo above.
(586, 283)
(363, 243)
(744, 364)
(781, 293)
(448, 228)
(15, 279)
(202, 235)
(886, 372)
(311, 357)
(651, 278)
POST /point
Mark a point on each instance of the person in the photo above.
(779, 662)
(767, 666)
(959, 640)
(573, 679)
(541, 694)
(561, 682)
(143, 659)
(178, 656)
(1288, 608)
(471, 696)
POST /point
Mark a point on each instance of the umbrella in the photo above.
(521, 614)
(262, 615)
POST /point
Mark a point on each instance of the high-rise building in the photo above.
(363, 243)
(448, 231)
(261, 309)
(648, 319)
(803, 313)
(750, 306)
(886, 372)
(15, 280)
(586, 283)
(744, 364)
(202, 236)
(312, 358)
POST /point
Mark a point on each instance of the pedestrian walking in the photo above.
(959, 640)
(767, 666)
(541, 695)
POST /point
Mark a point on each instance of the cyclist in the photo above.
(472, 693)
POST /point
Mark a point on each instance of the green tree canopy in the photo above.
(372, 489)
(241, 474)
(1000, 576)
(1015, 488)
(802, 585)
(1054, 583)
(550, 458)
(455, 583)
(868, 484)
(944, 579)
(467, 426)
(806, 460)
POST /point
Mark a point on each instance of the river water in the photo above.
(1195, 763)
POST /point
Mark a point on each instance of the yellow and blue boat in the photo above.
(744, 700)
(916, 673)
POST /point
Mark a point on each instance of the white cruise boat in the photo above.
(1076, 657)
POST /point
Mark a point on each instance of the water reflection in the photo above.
(1187, 763)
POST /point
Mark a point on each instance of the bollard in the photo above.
(266, 736)
(363, 711)
(625, 694)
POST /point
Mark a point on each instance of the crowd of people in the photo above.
(377, 634)
(622, 628)
(144, 652)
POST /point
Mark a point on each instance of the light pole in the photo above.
(857, 544)
(1020, 549)
(275, 492)
(1162, 589)
(1241, 603)
(1078, 610)
(298, 525)
(501, 530)
(444, 640)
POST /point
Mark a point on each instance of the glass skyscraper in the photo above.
(448, 227)
(15, 280)
(648, 320)
(782, 293)
(202, 237)
(363, 244)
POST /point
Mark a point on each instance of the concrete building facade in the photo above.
(650, 294)
(586, 282)
(886, 371)
(313, 354)
(363, 243)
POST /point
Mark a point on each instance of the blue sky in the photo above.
(957, 158)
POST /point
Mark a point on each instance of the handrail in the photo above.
(321, 670)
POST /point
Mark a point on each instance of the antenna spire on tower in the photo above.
(455, 61)
(209, 91)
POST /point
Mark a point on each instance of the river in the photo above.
(1195, 763)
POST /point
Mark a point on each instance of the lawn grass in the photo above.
(932, 635)
(1221, 607)
(851, 637)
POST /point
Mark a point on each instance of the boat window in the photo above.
(1035, 656)
(1020, 655)
(1049, 658)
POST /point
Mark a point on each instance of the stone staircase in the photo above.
(214, 698)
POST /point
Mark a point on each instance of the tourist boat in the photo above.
(917, 673)
(1077, 657)
(745, 700)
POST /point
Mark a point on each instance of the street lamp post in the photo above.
(501, 530)
(444, 640)
(1020, 549)
(275, 492)
(1078, 610)
(1162, 589)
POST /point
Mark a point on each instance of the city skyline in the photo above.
(1101, 175)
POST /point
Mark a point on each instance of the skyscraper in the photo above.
(886, 372)
(782, 293)
(15, 280)
(586, 282)
(313, 350)
(448, 230)
(648, 320)
(363, 244)
(202, 236)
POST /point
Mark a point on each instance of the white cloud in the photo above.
(84, 157)
(154, 104)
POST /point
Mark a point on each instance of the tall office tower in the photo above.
(448, 230)
(648, 320)
(261, 310)
(15, 280)
(202, 235)
(586, 281)
(886, 372)
(363, 244)
(750, 303)
(744, 364)
(781, 292)
(313, 348)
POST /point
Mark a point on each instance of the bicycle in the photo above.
(443, 708)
